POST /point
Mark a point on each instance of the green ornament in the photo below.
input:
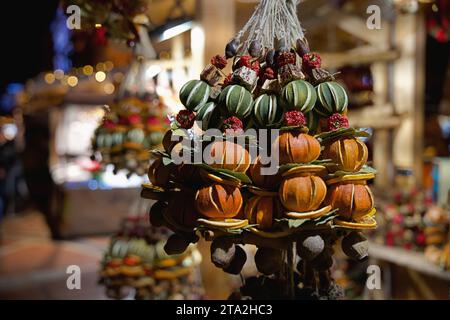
(207, 115)
(237, 100)
(266, 110)
(153, 139)
(117, 139)
(332, 98)
(136, 135)
(103, 140)
(194, 94)
(299, 95)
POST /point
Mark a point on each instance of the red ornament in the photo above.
(131, 261)
(123, 121)
(153, 121)
(232, 125)
(109, 124)
(185, 119)
(337, 121)
(100, 36)
(420, 239)
(294, 118)
(134, 119)
(312, 60)
(219, 61)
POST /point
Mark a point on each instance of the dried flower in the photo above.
(232, 125)
(312, 60)
(185, 119)
(294, 118)
(337, 121)
(219, 61)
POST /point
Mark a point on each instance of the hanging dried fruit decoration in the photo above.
(276, 83)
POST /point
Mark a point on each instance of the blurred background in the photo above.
(57, 208)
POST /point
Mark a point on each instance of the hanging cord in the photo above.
(272, 20)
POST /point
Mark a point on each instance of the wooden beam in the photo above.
(361, 55)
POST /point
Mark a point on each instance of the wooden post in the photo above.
(218, 18)
(409, 93)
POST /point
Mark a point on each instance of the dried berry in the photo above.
(270, 57)
(219, 61)
(239, 259)
(231, 48)
(323, 261)
(294, 118)
(337, 121)
(176, 244)
(280, 44)
(222, 252)
(185, 119)
(302, 47)
(232, 125)
(310, 247)
(255, 48)
(156, 213)
(312, 60)
(268, 260)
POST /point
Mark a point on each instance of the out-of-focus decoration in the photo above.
(62, 45)
(438, 20)
(317, 194)
(358, 81)
(411, 221)
(401, 220)
(136, 259)
(112, 19)
(134, 124)
(437, 235)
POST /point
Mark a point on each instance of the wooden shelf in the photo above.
(408, 259)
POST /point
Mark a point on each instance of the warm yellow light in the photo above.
(59, 74)
(100, 66)
(109, 88)
(434, 7)
(164, 55)
(72, 81)
(118, 77)
(49, 78)
(98, 25)
(64, 80)
(88, 70)
(100, 76)
(109, 65)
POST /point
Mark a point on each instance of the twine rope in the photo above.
(272, 20)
